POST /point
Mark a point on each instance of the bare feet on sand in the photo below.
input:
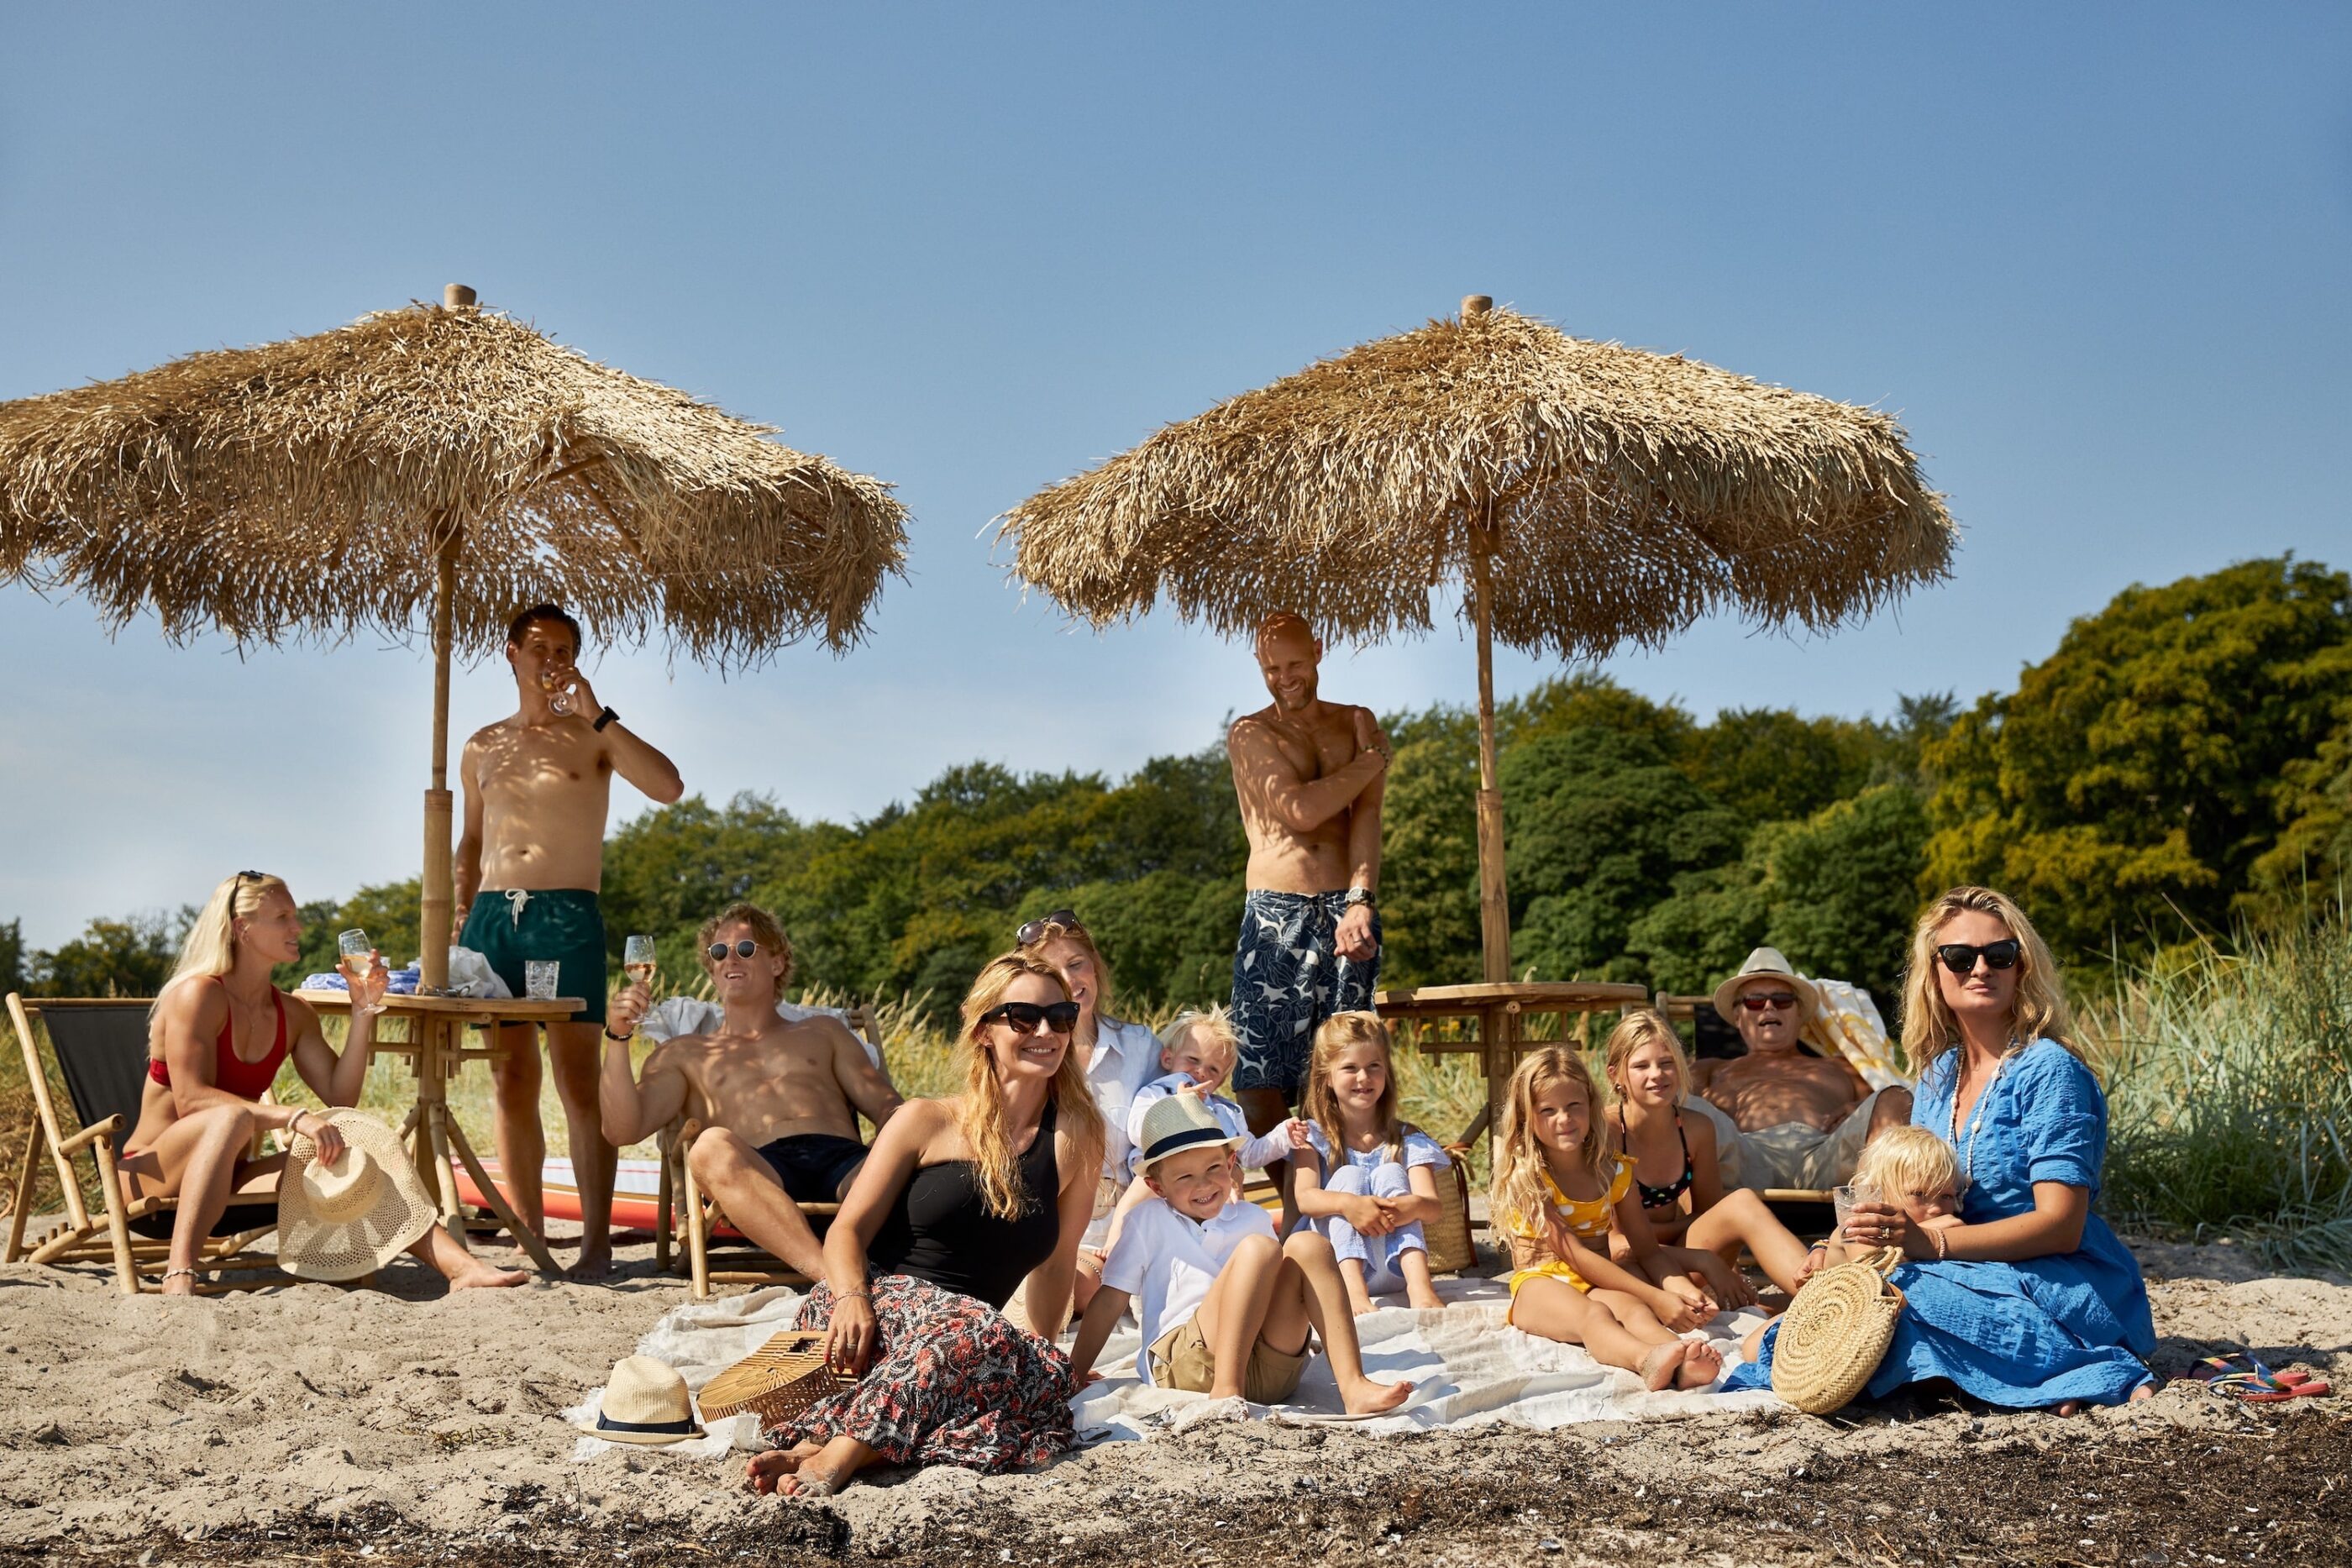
(767, 1471)
(1700, 1367)
(1660, 1367)
(482, 1277)
(594, 1263)
(1366, 1397)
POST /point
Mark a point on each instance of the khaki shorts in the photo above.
(1794, 1154)
(1181, 1358)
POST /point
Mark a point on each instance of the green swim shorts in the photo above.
(511, 926)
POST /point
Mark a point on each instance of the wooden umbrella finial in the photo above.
(456, 296)
(1475, 305)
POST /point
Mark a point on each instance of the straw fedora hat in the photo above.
(1766, 963)
(350, 1218)
(646, 1402)
(1175, 1122)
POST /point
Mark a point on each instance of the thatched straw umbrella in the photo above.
(435, 468)
(1587, 495)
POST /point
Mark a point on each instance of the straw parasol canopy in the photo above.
(1586, 497)
(435, 469)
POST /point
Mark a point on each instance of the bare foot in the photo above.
(766, 1471)
(1699, 1368)
(2145, 1391)
(595, 1262)
(1367, 1398)
(1658, 1367)
(1425, 1301)
(1358, 1304)
(2070, 1407)
(482, 1277)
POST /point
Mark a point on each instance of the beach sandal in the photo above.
(2255, 1383)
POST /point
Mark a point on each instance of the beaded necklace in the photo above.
(1978, 1112)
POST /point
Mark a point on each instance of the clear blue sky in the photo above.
(2094, 258)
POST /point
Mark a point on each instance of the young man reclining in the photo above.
(1225, 1307)
(777, 1102)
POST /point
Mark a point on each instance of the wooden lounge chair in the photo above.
(1802, 1209)
(710, 1258)
(101, 1048)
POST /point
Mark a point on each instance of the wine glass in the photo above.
(638, 961)
(557, 683)
(358, 954)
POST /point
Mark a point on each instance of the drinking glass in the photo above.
(557, 683)
(638, 961)
(539, 978)
(359, 951)
(1844, 1199)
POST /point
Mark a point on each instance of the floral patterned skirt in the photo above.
(951, 1382)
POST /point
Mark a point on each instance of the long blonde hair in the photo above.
(1516, 1196)
(1638, 1028)
(1104, 991)
(210, 948)
(980, 1110)
(1929, 1029)
(1321, 1101)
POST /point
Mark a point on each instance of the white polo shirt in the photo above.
(1125, 1057)
(1166, 1263)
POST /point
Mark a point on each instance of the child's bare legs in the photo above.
(808, 1468)
(1233, 1314)
(1741, 1219)
(1420, 1286)
(1312, 1293)
(1635, 1339)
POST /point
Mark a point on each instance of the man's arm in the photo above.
(1364, 819)
(654, 775)
(864, 1084)
(465, 867)
(630, 1110)
(1261, 771)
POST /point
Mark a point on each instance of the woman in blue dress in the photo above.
(2031, 1300)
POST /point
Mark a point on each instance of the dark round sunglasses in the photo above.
(1961, 959)
(1756, 1001)
(744, 949)
(1067, 919)
(1023, 1017)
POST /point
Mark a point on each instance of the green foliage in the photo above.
(2133, 779)
(12, 957)
(131, 957)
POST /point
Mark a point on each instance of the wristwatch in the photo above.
(607, 717)
(1359, 897)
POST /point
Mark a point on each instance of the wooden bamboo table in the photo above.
(1498, 1006)
(436, 1050)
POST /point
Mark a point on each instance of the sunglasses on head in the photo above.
(1023, 1017)
(742, 950)
(1067, 919)
(1961, 958)
(1756, 1001)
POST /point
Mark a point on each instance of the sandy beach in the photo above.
(321, 1424)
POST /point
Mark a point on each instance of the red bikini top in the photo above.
(232, 1075)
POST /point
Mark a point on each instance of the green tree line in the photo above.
(2179, 766)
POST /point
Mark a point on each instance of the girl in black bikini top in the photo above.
(1664, 1196)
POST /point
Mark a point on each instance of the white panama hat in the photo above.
(1766, 963)
(646, 1402)
(341, 1221)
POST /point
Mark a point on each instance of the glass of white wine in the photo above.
(359, 956)
(638, 961)
(557, 683)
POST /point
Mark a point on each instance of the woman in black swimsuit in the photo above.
(960, 1202)
(1700, 1227)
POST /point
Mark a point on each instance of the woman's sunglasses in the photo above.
(1961, 959)
(1067, 919)
(744, 949)
(1023, 1017)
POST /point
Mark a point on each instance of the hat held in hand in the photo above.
(350, 1218)
(646, 1402)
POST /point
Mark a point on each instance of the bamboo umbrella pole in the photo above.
(437, 912)
(1494, 900)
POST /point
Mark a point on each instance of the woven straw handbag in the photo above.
(1835, 1334)
(1450, 1248)
(777, 1381)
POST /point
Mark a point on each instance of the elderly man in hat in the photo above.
(1796, 1120)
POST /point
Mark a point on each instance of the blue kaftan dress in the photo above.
(2074, 1325)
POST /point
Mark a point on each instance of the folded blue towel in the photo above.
(399, 983)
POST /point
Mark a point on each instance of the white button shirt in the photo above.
(1166, 1263)
(1125, 1057)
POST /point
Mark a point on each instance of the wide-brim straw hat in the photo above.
(646, 1402)
(1766, 963)
(1178, 1122)
(350, 1218)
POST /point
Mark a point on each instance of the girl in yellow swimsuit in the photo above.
(1558, 1191)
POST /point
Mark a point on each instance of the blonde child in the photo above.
(1226, 1308)
(1374, 1180)
(1197, 1052)
(1911, 1168)
(1558, 1191)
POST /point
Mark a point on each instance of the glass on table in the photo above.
(539, 978)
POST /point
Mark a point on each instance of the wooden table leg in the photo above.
(524, 1236)
(1498, 1033)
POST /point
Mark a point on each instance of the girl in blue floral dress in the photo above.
(2031, 1300)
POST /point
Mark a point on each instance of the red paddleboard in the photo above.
(637, 1193)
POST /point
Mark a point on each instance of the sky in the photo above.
(2093, 256)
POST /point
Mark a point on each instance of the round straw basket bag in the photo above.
(779, 1380)
(1834, 1334)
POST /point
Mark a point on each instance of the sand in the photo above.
(321, 1424)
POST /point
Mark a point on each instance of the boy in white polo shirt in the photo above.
(1226, 1308)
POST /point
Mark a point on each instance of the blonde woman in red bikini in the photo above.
(216, 1037)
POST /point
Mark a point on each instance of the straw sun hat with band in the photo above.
(1766, 963)
(350, 1218)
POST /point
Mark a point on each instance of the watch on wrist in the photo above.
(607, 717)
(619, 1039)
(1358, 898)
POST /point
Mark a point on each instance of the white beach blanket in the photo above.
(1468, 1368)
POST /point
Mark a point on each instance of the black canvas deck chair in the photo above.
(101, 1050)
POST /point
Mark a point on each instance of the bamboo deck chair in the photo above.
(682, 1205)
(100, 1047)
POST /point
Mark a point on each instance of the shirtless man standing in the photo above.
(1309, 777)
(777, 1102)
(1796, 1120)
(529, 867)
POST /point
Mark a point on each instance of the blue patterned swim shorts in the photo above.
(1288, 979)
